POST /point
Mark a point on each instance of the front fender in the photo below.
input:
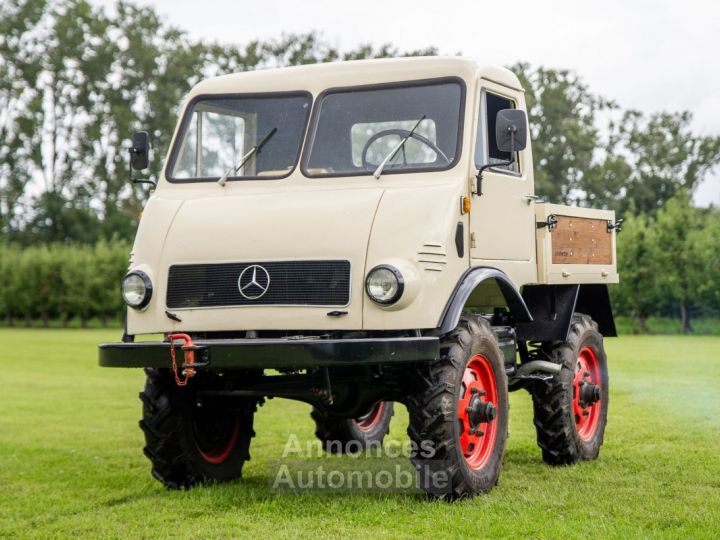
(470, 281)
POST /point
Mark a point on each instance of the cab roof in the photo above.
(315, 78)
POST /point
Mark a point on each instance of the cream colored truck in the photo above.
(354, 234)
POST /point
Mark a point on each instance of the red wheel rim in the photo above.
(219, 449)
(478, 383)
(371, 420)
(587, 416)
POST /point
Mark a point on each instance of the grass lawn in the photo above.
(71, 462)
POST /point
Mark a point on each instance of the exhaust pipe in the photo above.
(536, 366)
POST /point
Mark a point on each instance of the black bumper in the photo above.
(274, 353)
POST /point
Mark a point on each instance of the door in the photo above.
(502, 217)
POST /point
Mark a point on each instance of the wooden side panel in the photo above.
(581, 241)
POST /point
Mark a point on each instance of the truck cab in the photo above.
(347, 225)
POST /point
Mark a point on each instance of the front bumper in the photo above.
(274, 353)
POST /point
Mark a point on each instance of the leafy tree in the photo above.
(680, 265)
(8, 254)
(650, 158)
(19, 72)
(72, 73)
(23, 286)
(637, 292)
(706, 244)
(76, 275)
(109, 261)
(634, 164)
(562, 116)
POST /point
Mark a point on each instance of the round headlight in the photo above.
(136, 289)
(384, 284)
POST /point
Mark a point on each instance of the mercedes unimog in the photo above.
(355, 234)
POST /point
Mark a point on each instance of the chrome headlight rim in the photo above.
(148, 289)
(400, 284)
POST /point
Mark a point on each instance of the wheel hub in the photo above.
(480, 412)
(589, 393)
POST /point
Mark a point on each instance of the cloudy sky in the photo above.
(648, 55)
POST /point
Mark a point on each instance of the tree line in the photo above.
(62, 282)
(76, 80)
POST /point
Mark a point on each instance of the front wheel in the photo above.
(459, 414)
(191, 440)
(571, 408)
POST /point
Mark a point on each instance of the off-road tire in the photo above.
(342, 435)
(189, 441)
(556, 423)
(436, 426)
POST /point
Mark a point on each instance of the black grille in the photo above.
(305, 283)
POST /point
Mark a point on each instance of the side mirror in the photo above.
(510, 135)
(140, 151)
(511, 131)
(139, 156)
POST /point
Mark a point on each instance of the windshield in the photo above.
(356, 130)
(218, 132)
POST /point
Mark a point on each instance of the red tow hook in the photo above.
(189, 350)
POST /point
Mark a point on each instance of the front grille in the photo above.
(294, 283)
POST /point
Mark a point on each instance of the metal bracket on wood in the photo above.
(550, 223)
(617, 226)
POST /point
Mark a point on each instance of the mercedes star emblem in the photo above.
(254, 282)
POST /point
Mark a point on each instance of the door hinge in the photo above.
(472, 239)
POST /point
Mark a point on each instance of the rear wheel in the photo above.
(459, 414)
(571, 408)
(343, 435)
(191, 440)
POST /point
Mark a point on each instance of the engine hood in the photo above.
(302, 225)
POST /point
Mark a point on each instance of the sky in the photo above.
(645, 55)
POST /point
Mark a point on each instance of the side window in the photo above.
(486, 150)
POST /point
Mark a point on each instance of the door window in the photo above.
(486, 150)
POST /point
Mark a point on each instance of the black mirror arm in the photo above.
(134, 151)
(478, 185)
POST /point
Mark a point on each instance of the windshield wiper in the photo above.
(395, 150)
(243, 160)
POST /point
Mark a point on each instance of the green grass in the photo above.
(71, 462)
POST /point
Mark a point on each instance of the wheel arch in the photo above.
(479, 287)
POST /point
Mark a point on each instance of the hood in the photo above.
(302, 225)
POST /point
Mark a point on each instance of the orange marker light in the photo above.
(465, 205)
